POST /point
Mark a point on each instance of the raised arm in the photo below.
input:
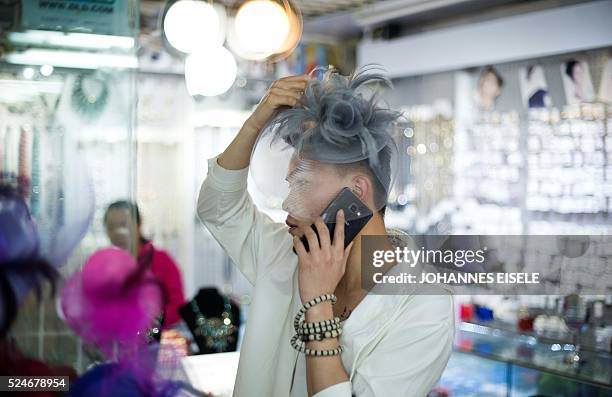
(283, 93)
(224, 205)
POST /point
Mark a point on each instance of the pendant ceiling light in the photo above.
(294, 35)
(265, 29)
(211, 72)
(191, 26)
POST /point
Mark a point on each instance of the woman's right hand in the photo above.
(285, 92)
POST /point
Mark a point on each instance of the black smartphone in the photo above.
(356, 215)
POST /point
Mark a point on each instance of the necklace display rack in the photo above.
(213, 320)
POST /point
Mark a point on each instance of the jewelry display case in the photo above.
(504, 362)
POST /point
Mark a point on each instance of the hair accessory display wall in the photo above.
(488, 175)
(568, 156)
(516, 169)
(427, 155)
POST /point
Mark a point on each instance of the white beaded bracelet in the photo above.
(301, 347)
(320, 336)
(309, 304)
(323, 323)
(317, 330)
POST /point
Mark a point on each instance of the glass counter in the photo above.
(493, 362)
(67, 127)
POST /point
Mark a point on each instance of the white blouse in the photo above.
(394, 345)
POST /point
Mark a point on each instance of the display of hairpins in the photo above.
(425, 174)
(16, 156)
(569, 155)
(488, 175)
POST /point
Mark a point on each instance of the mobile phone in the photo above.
(356, 216)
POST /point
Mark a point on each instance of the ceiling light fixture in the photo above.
(191, 26)
(261, 27)
(211, 72)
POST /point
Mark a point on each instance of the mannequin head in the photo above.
(489, 87)
(575, 71)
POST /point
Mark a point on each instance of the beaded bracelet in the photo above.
(319, 337)
(309, 304)
(318, 330)
(301, 347)
(323, 323)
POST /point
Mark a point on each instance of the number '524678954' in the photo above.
(33, 383)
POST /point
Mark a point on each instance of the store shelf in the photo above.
(531, 352)
(586, 339)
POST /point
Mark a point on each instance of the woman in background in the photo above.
(123, 226)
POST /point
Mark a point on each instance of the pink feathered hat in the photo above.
(112, 300)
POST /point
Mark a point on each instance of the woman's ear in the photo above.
(361, 187)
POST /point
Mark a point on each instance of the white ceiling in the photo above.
(309, 8)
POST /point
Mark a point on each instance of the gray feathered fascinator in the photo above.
(335, 122)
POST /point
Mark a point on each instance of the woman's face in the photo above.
(121, 228)
(312, 186)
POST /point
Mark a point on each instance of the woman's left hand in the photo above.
(322, 267)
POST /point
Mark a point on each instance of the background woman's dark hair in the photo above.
(34, 268)
(124, 205)
(570, 65)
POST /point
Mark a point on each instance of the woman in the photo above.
(124, 229)
(390, 345)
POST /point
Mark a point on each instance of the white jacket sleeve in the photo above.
(245, 233)
(410, 358)
(338, 390)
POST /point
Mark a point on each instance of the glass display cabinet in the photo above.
(67, 112)
(502, 362)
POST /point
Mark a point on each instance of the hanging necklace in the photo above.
(218, 332)
(89, 95)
